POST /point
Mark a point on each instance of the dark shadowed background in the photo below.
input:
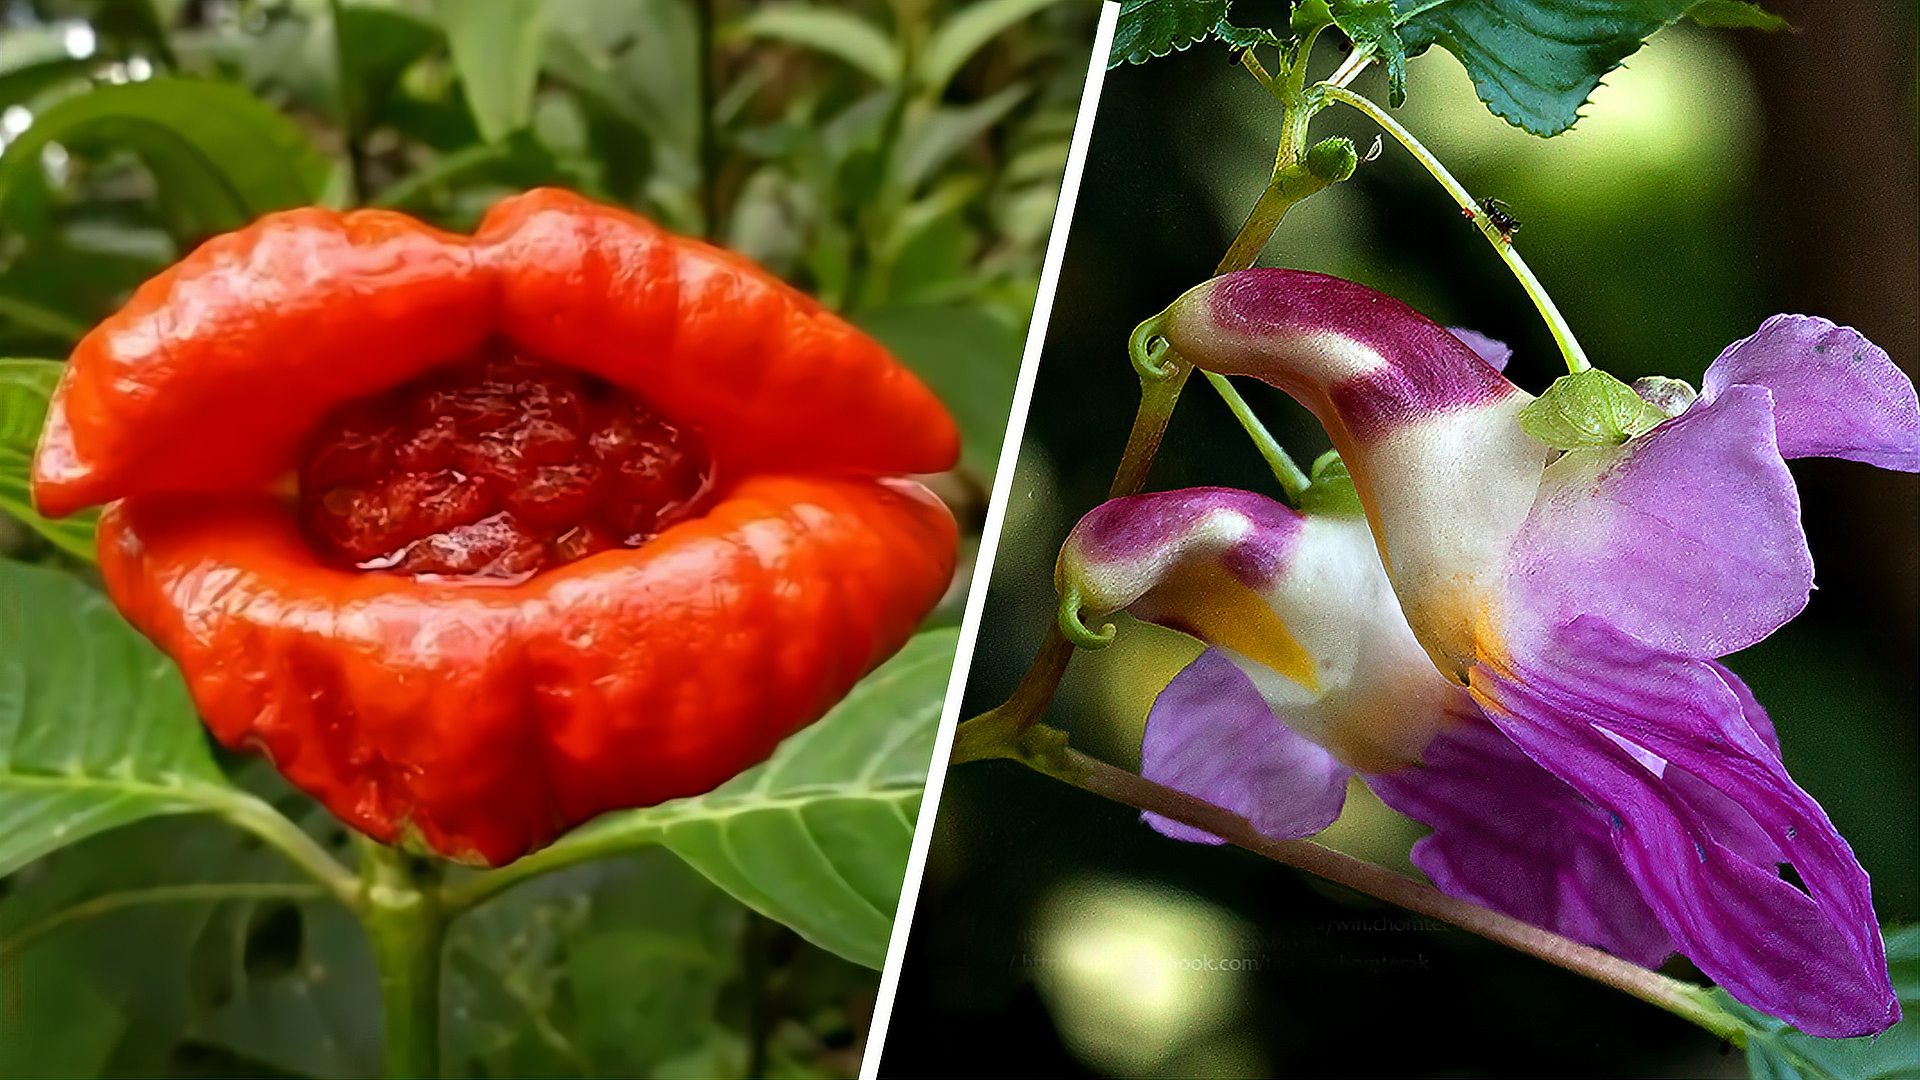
(1719, 178)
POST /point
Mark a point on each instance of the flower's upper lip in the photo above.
(209, 378)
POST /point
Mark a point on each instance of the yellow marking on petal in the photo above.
(1216, 607)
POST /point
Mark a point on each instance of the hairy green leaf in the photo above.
(1245, 37)
(496, 49)
(1535, 62)
(1370, 24)
(955, 41)
(1153, 28)
(1775, 1051)
(817, 836)
(25, 386)
(219, 156)
(96, 730)
(1588, 408)
(839, 34)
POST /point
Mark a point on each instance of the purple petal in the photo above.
(1510, 836)
(1591, 705)
(1835, 394)
(1688, 538)
(1211, 735)
(1495, 353)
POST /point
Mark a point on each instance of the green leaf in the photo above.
(496, 48)
(1330, 489)
(1535, 62)
(1736, 14)
(217, 154)
(376, 47)
(1245, 37)
(96, 730)
(1154, 28)
(1775, 1051)
(189, 933)
(969, 358)
(933, 140)
(623, 960)
(816, 837)
(1370, 23)
(25, 386)
(1588, 408)
(839, 34)
(955, 41)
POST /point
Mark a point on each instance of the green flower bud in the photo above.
(1332, 159)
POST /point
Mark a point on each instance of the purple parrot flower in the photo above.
(1520, 647)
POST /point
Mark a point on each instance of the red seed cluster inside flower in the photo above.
(495, 467)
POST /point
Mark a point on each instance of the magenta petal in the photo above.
(1510, 836)
(1211, 735)
(1595, 707)
(1494, 353)
(1688, 537)
(1835, 394)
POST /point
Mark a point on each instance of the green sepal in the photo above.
(1588, 408)
(1333, 159)
(1330, 489)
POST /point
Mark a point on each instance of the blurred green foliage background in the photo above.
(1716, 179)
(899, 159)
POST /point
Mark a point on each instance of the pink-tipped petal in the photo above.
(1835, 394)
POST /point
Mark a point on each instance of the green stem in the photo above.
(1576, 357)
(1293, 480)
(270, 825)
(460, 896)
(1044, 750)
(407, 926)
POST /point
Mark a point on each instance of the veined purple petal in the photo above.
(1574, 701)
(1835, 394)
(1511, 836)
(1496, 354)
(1688, 537)
(1211, 735)
(1428, 429)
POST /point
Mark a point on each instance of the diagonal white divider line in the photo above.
(990, 536)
